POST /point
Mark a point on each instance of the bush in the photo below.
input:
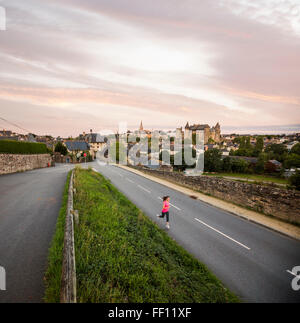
(213, 161)
(294, 180)
(296, 149)
(239, 166)
(292, 160)
(20, 147)
(227, 165)
(61, 148)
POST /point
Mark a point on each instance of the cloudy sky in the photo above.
(70, 65)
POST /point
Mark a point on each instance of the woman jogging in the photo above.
(165, 210)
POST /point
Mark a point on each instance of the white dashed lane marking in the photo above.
(223, 234)
(145, 189)
(129, 180)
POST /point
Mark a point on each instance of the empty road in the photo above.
(254, 262)
(29, 206)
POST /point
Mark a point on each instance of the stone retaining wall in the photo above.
(278, 202)
(11, 163)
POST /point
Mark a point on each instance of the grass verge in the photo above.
(253, 177)
(55, 257)
(122, 256)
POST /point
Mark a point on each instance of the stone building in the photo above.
(213, 133)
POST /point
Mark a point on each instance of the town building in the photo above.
(142, 133)
(77, 148)
(272, 166)
(5, 133)
(210, 133)
(95, 141)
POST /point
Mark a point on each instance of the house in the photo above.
(30, 137)
(47, 140)
(290, 145)
(273, 166)
(58, 158)
(225, 152)
(77, 147)
(5, 133)
(96, 141)
(232, 146)
(210, 147)
(290, 172)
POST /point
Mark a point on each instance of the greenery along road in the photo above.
(251, 177)
(55, 257)
(122, 256)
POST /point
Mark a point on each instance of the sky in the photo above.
(67, 66)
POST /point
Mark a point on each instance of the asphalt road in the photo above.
(29, 206)
(254, 262)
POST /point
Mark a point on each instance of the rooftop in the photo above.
(77, 145)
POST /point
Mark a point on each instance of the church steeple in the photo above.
(187, 125)
(141, 126)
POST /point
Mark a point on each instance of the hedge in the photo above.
(20, 147)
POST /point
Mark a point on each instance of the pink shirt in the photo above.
(166, 206)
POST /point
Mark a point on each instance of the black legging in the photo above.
(163, 214)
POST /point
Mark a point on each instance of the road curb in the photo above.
(68, 280)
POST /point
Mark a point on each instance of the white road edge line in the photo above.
(171, 205)
(143, 188)
(223, 234)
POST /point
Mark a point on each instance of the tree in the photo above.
(61, 148)
(294, 180)
(296, 149)
(260, 166)
(248, 145)
(212, 160)
(238, 140)
(184, 161)
(259, 146)
(245, 148)
(277, 151)
(240, 166)
(292, 160)
(227, 165)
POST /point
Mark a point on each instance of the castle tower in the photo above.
(217, 133)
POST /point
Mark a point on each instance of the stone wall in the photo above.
(278, 202)
(11, 163)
